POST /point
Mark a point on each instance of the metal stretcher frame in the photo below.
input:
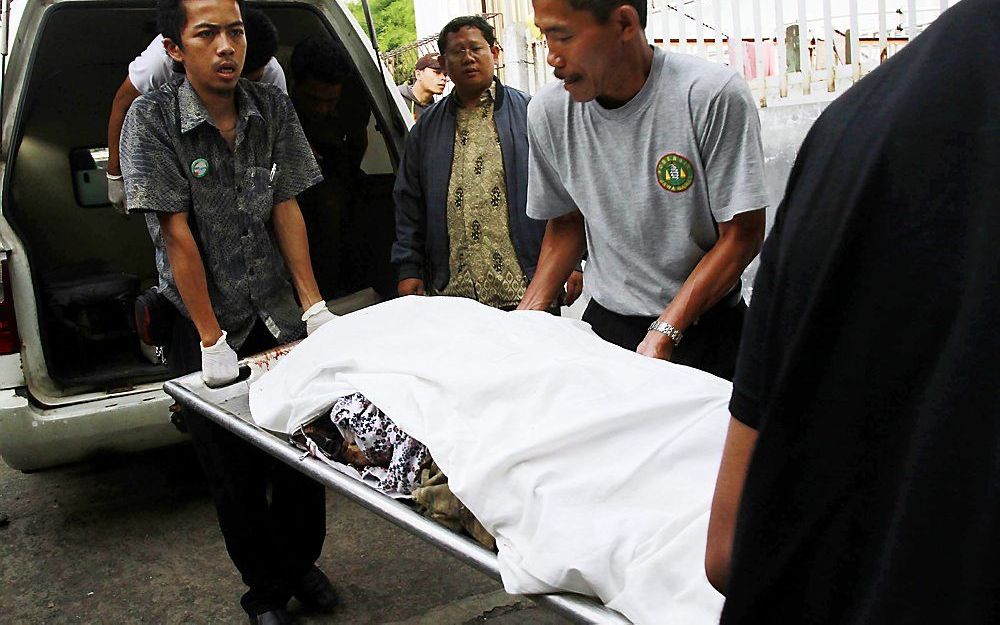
(231, 410)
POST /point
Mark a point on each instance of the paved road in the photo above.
(133, 539)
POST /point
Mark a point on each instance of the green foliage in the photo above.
(395, 26)
(403, 66)
(395, 21)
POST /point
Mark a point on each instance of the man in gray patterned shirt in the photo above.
(220, 160)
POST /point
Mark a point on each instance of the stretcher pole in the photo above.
(576, 608)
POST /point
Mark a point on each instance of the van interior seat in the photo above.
(93, 300)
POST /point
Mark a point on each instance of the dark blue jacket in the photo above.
(421, 191)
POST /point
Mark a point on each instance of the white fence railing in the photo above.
(784, 48)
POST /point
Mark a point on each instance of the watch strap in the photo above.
(665, 328)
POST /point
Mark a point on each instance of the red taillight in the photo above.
(10, 342)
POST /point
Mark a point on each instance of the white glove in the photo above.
(317, 315)
(218, 363)
(116, 193)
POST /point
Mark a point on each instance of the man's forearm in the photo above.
(290, 230)
(189, 275)
(737, 453)
(718, 271)
(126, 94)
(563, 245)
(408, 249)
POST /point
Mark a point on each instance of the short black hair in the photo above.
(262, 39)
(601, 9)
(321, 58)
(170, 18)
(466, 21)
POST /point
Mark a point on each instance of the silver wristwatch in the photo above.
(665, 328)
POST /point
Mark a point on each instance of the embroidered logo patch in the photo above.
(199, 167)
(675, 173)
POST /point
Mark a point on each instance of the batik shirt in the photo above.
(174, 160)
(394, 455)
(482, 259)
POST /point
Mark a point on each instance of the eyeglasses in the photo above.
(461, 53)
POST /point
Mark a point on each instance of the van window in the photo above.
(89, 167)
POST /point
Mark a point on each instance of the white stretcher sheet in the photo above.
(592, 466)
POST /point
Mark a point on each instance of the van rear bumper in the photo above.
(36, 438)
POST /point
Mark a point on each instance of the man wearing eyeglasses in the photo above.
(461, 190)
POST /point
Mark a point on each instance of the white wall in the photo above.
(840, 10)
(433, 14)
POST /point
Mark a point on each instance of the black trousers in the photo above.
(273, 541)
(710, 344)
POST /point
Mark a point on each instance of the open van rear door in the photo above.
(373, 38)
(4, 43)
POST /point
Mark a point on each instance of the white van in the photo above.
(74, 379)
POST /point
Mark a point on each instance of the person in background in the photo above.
(461, 225)
(429, 80)
(331, 103)
(333, 106)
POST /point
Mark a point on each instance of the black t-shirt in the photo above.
(341, 139)
(870, 356)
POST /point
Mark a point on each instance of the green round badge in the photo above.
(675, 173)
(199, 168)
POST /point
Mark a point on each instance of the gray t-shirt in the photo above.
(652, 178)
